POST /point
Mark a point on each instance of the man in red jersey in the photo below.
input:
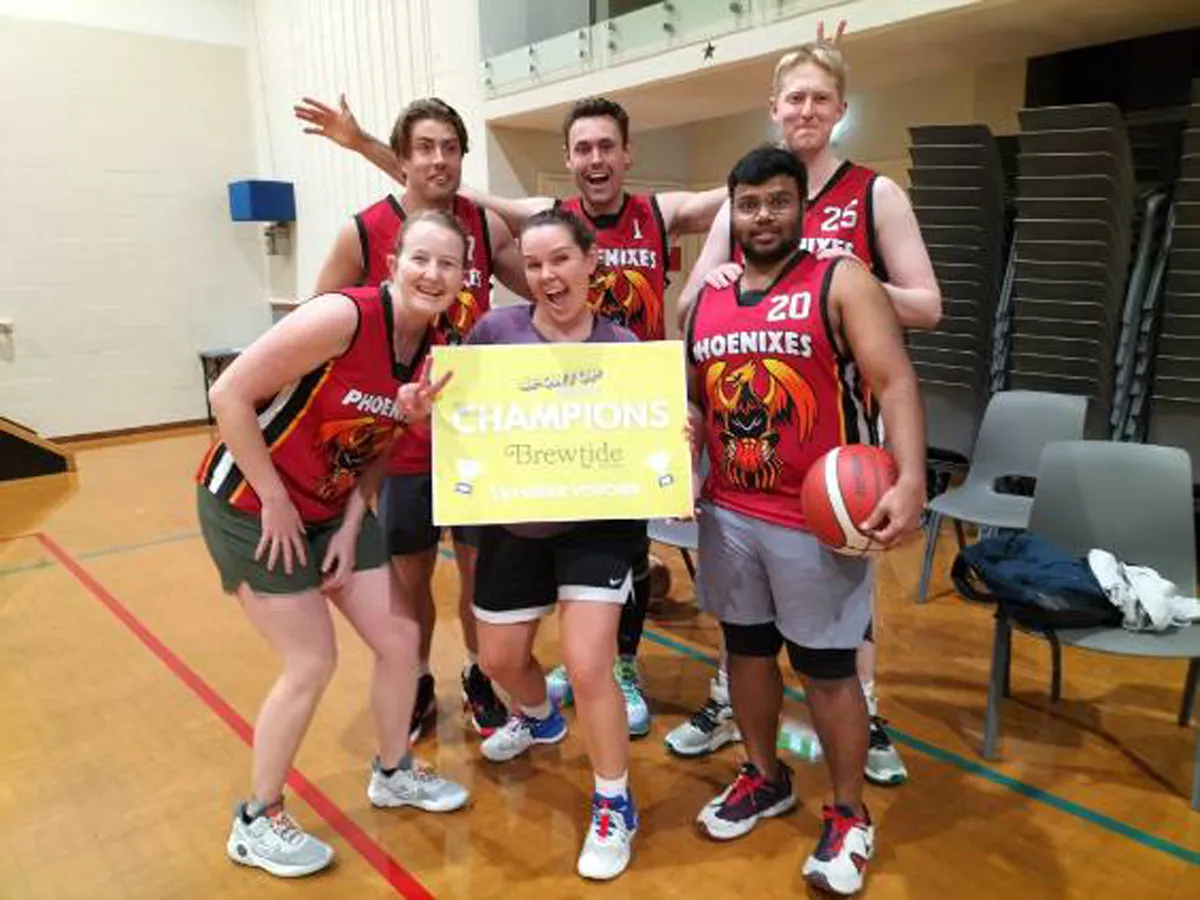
(428, 143)
(775, 357)
(632, 236)
(850, 211)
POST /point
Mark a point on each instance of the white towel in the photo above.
(1147, 601)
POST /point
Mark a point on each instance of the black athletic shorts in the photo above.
(406, 513)
(519, 579)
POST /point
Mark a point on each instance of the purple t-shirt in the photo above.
(514, 325)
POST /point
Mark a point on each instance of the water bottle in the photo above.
(800, 739)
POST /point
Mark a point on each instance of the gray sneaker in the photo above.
(418, 786)
(275, 842)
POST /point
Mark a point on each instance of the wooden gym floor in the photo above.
(128, 683)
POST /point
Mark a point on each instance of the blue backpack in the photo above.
(1035, 583)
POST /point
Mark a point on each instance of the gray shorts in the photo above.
(752, 572)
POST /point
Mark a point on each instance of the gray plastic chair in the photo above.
(1016, 426)
(684, 536)
(1135, 501)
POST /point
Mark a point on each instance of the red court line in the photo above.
(395, 874)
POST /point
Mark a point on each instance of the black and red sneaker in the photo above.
(839, 863)
(486, 711)
(751, 797)
(424, 708)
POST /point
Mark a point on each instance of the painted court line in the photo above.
(379, 859)
(962, 763)
(974, 768)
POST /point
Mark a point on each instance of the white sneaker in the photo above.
(276, 843)
(608, 846)
(419, 786)
(710, 728)
(520, 733)
(839, 863)
(884, 765)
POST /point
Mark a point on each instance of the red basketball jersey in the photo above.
(326, 427)
(630, 284)
(841, 216)
(379, 224)
(777, 393)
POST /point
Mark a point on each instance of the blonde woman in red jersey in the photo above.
(850, 211)
(307, 416)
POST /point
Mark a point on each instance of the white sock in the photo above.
(719, 687)
(868, 688)
(613, 787)
(471, 662)
(423, 669)
(541, 711)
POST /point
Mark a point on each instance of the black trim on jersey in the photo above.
(664, 255)
(402, 371)
(397, 208)
(605, 220)
(357, 322)
(299, 399)
(487, 245)
(851, 383)
(830, 335)
(232, 482)
(689, 324)
(838, 174)
(878, 269)
(364, 247)
(748, 298)
(794, 260)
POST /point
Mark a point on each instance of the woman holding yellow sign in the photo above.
(586, 567)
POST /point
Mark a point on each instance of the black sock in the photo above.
(633, 613)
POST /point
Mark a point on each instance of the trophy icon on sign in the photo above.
(468, 470)
(659, 463)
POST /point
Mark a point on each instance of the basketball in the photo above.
(840, 491)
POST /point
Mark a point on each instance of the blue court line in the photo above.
(946, 756)
(975, 768)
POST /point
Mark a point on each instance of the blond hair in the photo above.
(822, 54)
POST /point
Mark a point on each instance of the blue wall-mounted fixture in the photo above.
(262, 201)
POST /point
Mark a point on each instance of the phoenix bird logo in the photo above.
(349, 445)
(626, 297)
(750, 403)
(456, 322)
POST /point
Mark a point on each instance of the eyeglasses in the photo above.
(776, 205)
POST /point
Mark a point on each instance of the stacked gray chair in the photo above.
(957, 191)
(1073, 233)
(1175, 416)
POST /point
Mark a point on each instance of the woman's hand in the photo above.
(339, 556)
(415, 400)
(723, 275)
(282, 535)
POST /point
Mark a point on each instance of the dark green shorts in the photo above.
(232, 536)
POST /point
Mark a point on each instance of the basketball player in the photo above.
(428, 144)
(851, 211)
(306, 417)
(779, 359)
(632, 236)
(585, 568)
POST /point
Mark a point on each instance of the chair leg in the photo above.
(1196, 771)
(1055, 667)
(1189, 692)
(687, 561)
(932, 529)
(960, 534)
(1001, 650)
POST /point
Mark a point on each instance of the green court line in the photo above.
(976, 768)
(903, 738)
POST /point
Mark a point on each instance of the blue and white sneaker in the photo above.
(608, 846)
(558, 687)
(521, 732)
(629, 680)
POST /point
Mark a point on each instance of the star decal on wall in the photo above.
(709, 49)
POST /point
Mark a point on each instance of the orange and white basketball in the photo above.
(841, 490)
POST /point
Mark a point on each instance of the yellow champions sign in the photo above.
(560, 433)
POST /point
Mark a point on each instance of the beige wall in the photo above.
(119, 261)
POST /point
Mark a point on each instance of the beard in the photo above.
(767, 258)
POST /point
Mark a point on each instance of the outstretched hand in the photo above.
(415, 400)
(836, 40)
(338, 125)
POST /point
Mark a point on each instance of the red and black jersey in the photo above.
(324, 429)
(379, 224)
(841, 216)
(777, 392)
(630, 284)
